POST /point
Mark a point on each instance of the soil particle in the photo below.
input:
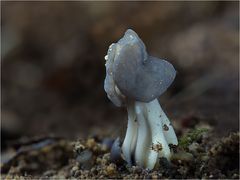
(85, 159)
(165, 127)
(111, 169)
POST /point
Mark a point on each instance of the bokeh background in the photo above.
(52, 64)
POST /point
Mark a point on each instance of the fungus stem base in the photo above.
(148, 135)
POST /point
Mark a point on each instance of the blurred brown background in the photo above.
(53, 63)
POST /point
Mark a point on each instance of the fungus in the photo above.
(135, 80)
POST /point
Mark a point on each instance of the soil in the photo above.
(198, 155)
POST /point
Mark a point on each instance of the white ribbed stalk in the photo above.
(143, 135)
(129, 142)
(155, 115)
(152, 128)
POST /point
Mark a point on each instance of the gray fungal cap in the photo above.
(132, 73)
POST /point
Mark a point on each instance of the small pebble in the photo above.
(193, 147)
(182, 156)
(111, 169)
(91, 143)
(49, 173)
(136, 169)
(85, 159)
(154, 176)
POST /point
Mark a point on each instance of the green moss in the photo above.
(191, 136)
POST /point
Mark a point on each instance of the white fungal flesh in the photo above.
(129, 142)
(155, 119)
(153, 128)
(143, 135)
